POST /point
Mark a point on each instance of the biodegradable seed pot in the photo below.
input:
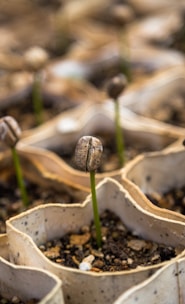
(42, 187)
(155, 289)
(52, 141)
(155, 175)
(44, 223)
(27, 283)
(159, 98)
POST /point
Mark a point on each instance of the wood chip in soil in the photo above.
(121, 250)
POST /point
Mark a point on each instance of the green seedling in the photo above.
(114, 88)
(36, 58)
(88, 158)
(10, 134)
(125, 67)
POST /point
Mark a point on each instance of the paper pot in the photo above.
(62, 133)
(43, 223)
(41, 185)
(39, 167)
(156, 172)
(157, 96)
(165, 286)
(27, 282)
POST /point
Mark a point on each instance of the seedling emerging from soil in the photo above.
(10, 134)
(36, 58)
(88, 155)
(114, 88)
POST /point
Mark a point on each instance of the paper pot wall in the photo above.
(27, 282)
(159, 98)
(156, 172)
(165, 286)
(34, 227)
(62, 133)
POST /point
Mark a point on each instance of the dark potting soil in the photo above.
(11, 204)
(17, 300)
(173, 199)
(121, 250)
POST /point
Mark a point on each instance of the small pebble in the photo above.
(15, 300)
(136, 245)
(76, 239)
(86, 264)
(130, 261)
(98, 264)
(97, 253)
(155, 257)
(53, 252)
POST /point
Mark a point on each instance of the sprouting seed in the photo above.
(88, 155)
(10, 134)
(35, 58)
(114, 88)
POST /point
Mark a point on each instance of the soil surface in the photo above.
(121, 250)
(17, 300)
(174, 200)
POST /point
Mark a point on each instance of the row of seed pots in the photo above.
(122, 191)
(27, 231)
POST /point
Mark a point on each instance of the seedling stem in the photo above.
(19, 177)
(95, 209)
(119, 135)
(37, 99)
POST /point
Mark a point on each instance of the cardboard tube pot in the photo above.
(27, 282)
(156, 172)
(39, 167)
(158, 97)
(156, 288)
(32, 228)
(62, 133)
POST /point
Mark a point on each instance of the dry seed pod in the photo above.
(88, 153)
(116, 85)
(9, 131)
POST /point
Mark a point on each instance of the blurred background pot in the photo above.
(52, 145)
(42, 186)
(159, 98)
